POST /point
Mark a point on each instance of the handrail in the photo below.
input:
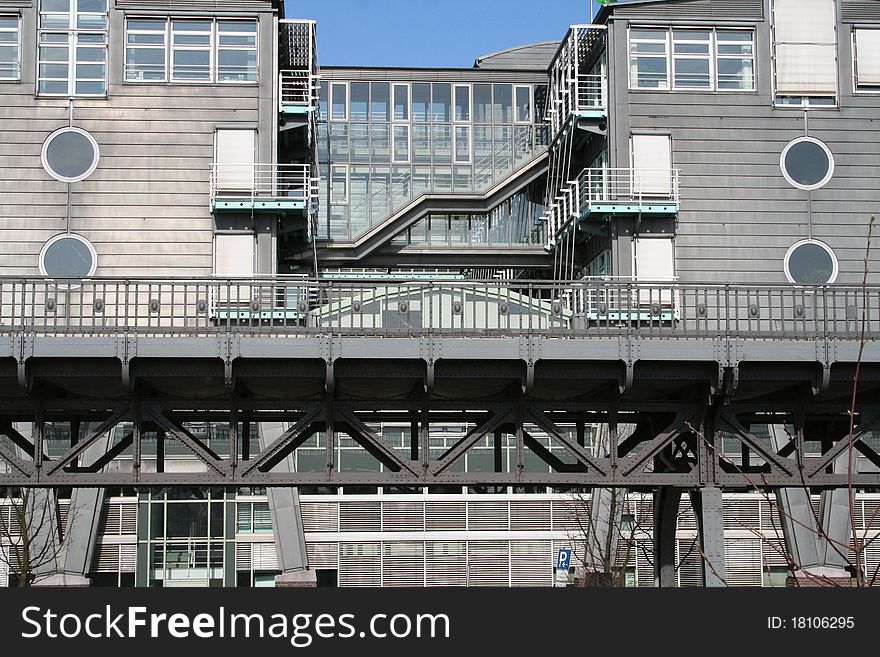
(262, 181)
(291, 305)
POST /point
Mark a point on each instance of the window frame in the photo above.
(821, 144)
(710, 57)
(394, 140)
(17, 63)
(835, 271)
(470, 144)
(713, 57)
(346, 200)
(469, 118)
(393, 116)
(65, 179)
(72, 32)
(531, 104)
(169, 49)
(57, 238)
(331, 98)
(868, 89)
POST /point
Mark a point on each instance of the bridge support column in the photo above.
(287, 523)
(708, 507)
(666, 502)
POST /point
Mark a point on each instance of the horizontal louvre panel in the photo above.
(717, 9)
(128, 518)
(323, 555)
(645, 563)
(445, 516)
(856, 11)
(489, 563)
(530, 516)
(320, 516)
(242, 556)
(110, 522)
(773, 554)
(262, 516)
(403, 564)
(487, 516)
(870, 516)
(127, 558)
(564, 514)
(689, 563)
(742, 562)
(741, 513)
(9, 519)
(107, 559)
(360, 564)
(264, 556)
(445, 563)
(686, 517)
(403, 516)
(360, 517)
(63, 515)
(770, 516)
(531, 563)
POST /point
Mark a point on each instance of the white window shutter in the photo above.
(234, 256)
(652, 164)
(868, 56)
(806, 69)
(235, 157)
(804, 21)
(654, 262)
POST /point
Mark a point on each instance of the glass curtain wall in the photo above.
(380, 144)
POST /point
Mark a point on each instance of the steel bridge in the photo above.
(668, 369)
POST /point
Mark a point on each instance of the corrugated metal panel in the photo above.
(360, 517)
(530, 516)
(712, 9)
(323, 555)
(320, 516)
(488, 516)
(360, 564)
(403, 516)
(742, 562)
(489, 563)
(531, 56)
(403, 564)
(857, 11)
(445, 563)
(531, 563)
(445, 516)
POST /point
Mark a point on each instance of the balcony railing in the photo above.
(578, 85)
(612, 191)
(262, 186)
(298, 91)
(291, 306)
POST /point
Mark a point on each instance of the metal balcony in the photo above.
(298, 63)
(578, 82)
(298, 92)
(262, 187)
(608, 192)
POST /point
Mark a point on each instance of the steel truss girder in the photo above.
(677, 453)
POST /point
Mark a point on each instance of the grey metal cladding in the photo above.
(531, 56)
(14, 4)
(857, 11)
(212, 6)
(685, 9)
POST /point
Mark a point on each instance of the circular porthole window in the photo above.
(70, 154)
(807, 163)
(811, 262)
(68, 256)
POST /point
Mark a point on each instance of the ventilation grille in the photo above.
(714, 9)
(320, 516)
(857, 11)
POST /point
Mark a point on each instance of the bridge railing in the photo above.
(290, 306)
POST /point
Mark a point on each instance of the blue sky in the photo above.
(442, 33)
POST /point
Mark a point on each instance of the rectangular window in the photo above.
(236, 51)
(145, 50)
(867, 59)
(462, 144)
(10, 48)
(191, 45)
(401, 143)
(401, 102)
(735, 60)
(805, 47)
(339, 101)
(360, 100)
(72, 53)
(462, 103)
(482, 103)
(442, 143)
(339, 184)
(523, 104)
(198, 50)
(441, 101)
(421, 99)
(421, 144)
(379, 101)
(502, 106)
(648, 58)
(692, 59)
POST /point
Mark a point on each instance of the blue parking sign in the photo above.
(563, 560)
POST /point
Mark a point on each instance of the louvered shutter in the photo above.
(235, 157)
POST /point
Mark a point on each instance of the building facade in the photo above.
(679, 169)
